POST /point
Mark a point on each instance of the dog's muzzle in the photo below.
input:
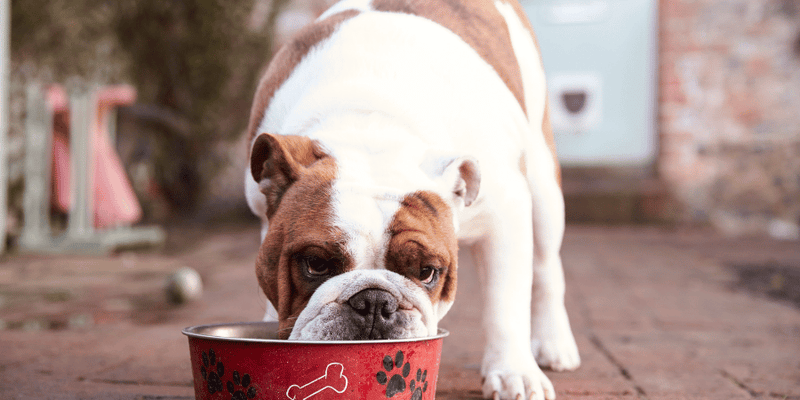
(366, 305)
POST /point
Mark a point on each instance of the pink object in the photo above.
(246, 361)
(115, 202)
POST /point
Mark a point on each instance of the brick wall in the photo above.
(730, 112)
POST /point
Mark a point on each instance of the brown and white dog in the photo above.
(384, 135)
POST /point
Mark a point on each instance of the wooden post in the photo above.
(81, 215)
(36, 199)
(5, 56)
(81, 237)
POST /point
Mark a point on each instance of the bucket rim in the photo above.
(202, 332)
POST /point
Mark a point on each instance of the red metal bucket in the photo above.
(246, 361)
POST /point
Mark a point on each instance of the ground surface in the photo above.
(658, 314)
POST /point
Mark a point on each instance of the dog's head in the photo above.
(346, 262)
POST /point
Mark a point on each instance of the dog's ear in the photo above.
(466, 178)
(277, 161)
(461, 176)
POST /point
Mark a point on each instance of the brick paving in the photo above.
(657, 313)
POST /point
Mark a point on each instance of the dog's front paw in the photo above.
(553, 344)
(521, 381)
(559, 354)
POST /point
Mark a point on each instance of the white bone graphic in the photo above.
(333, 379)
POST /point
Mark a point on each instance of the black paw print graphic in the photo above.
(397, 383)
(212, 371)
(240, 388)
(419, 386)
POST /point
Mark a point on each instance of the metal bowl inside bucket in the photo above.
(247, 361)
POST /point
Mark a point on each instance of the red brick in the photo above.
(678, 9)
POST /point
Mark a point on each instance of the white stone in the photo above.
(184, 285)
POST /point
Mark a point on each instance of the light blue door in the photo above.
(600, 62)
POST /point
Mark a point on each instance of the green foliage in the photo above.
(64, 38)
(194, 57)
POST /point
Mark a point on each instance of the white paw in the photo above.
(521, 381)
(553, 344)
(558, 355)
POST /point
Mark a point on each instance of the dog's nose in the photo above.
(375, 309)
(374, 302)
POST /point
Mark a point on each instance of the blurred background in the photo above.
(193, 65)
(681, 111)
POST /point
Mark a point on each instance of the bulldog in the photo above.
(385, 135)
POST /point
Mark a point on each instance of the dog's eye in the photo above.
(315, 266)
(427, 274)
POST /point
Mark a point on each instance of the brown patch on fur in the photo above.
(422, 235)
(285, 61)
(480, 25)
(300, 175)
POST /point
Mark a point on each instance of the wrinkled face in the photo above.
(342, 264)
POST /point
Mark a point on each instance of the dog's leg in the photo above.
(256, 201)
(504, 258)
(552, 341)
(270, 314)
